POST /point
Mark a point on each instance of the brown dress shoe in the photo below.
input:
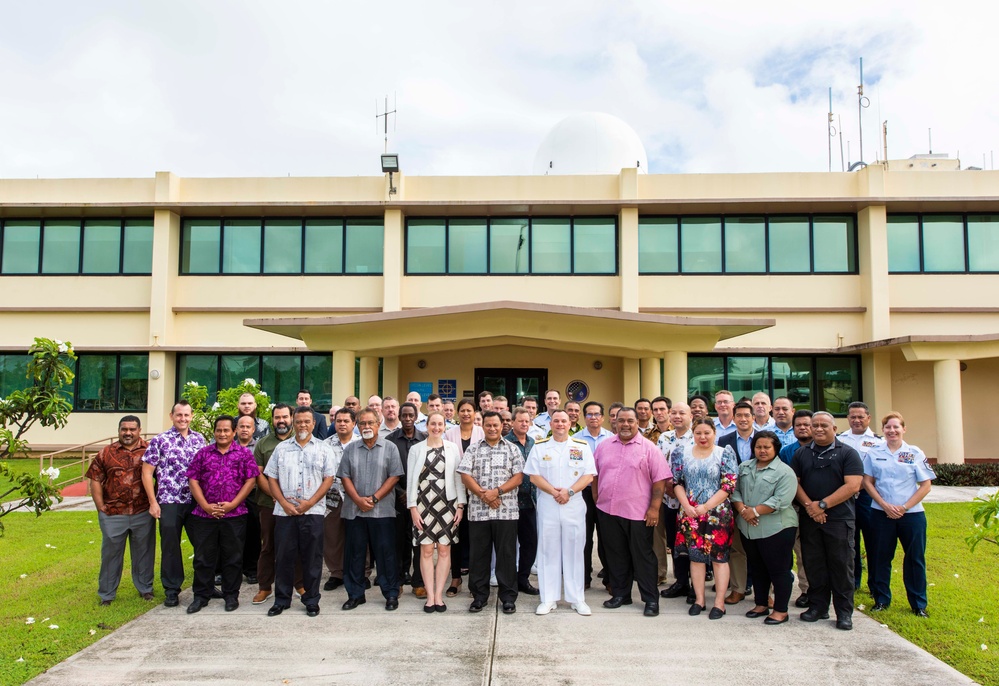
(146, 596)
(420, 591)
(262, 596)
(734, 597)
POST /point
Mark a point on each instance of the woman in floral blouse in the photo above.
(705, 476)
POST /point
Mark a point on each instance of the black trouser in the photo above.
(770, 561)
(681, 563)
(628, 545)
(460, 552)
(592, 524)
(404, 548)
(863, 508)
(828, 552)
(378, 533)
(298, 539)
(527, 537)
(251, 545)
(214, 541)
(173, 517)
(501, 534)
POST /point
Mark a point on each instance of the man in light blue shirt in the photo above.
(762, 421)
(784, 421)
(724, 404)
(594, 434)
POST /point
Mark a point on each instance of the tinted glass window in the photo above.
(834, 244)
(425, 246)
(202, 247)
(508, 246)
(101, 247)
(658, 246)
(594, 246)
(790, 247)
(283, 246)
(983, 243)
(467, 246)
(551, 249)
(323, 246)
(745, 245)
(241, 250)
(700, 245)
(365, 246)
(903, 244)
(61, 247)
(138, 250)
(943, 244)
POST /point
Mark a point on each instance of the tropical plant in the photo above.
(226, 402)
(986, 518)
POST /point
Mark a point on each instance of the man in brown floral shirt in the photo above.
(123, 512)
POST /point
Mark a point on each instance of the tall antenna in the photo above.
(862, 102)
(832, 129)
(385, 115)
(842, 161)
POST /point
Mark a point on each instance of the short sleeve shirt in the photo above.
(491, 467)
(171, 454)
(369, 468)
(822, 470)
(300, 471)
(626, 472)
(667, 442)
(119, 472)
(897, 475)
(221, 475)
(336, 494)
(262, 452)
(560, 464)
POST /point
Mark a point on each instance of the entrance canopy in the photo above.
(477, 325)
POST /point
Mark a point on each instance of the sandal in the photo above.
(452, 590)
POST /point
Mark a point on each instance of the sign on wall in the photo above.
(447, 389)
(424, 388)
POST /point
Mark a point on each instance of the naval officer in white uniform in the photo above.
(561, 467)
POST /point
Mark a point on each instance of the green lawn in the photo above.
(962, 591)
(59, 587)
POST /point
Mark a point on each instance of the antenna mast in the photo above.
(862, 102)
(832, 129)
(385, 115)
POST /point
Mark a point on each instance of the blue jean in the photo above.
(910, 531)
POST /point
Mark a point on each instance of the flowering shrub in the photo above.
(44, 402)
(986, 518)
(226, 402)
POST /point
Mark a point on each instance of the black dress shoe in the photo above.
(392, 604)
(509, 608)
(879, 607)
(196, 605)
(616, 602)
(844, 624)
(276, 610)
(674, 591)
(407, 580)
(429, 609)
(216, 594)
(367, 584)
(771, 621)
(353, 602)
(651, 609)
(528, 589)
(802, 601)
(251, 579)
(332, 584)
(753, 614)
(231, 604)
(695, 610)
(312, 610)
(716, 613)
(171, 601)
(477, 606)
(813, 615)
(920, 612)
(441, 608)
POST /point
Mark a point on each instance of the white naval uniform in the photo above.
(561, 528)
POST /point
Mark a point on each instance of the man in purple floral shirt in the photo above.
(221, 475)
(168, 457)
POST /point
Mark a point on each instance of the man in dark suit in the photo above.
(740, 441)
(305, 399)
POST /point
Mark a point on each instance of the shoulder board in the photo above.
(543, 440)
(577, 440)
(879, 437)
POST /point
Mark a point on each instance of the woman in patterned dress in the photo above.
(705, 476)
(436, 499)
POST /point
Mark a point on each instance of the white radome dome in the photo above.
(590, 143)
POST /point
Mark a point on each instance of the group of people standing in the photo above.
(495, 492)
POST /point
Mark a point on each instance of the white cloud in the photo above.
(257, 88)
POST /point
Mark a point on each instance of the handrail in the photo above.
(83, 462)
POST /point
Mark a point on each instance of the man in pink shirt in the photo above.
(631, 477)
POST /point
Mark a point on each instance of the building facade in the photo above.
(878, 285)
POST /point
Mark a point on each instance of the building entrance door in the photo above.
(514, 383)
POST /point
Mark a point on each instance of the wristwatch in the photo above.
(571, 493)
(499, 489)
(374, 498)
(822, 504)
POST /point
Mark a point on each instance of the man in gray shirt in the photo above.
(369, 470)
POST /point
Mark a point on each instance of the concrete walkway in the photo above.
(371, 646)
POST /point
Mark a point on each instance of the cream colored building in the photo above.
(878, 285)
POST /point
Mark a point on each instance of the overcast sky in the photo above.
(247, 88)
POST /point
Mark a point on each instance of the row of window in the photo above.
(747, 245)
(521, 245)
(280, 376)
(827, 383)
(282, 246)
(103, 383)
(74, 246)
(943, 243)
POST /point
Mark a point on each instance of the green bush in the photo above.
(966, 474)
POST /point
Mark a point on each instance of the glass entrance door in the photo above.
(512, 382)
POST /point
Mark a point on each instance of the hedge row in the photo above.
(966, 474)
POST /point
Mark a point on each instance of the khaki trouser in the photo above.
(737, 565)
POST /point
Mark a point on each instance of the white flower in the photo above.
(29, 620)
(91, 541)
(250, 382)
(52, 473)
(264, 393)
(93, 632)
(63, 348)
(984, 647)
(988, 492)
(24, 576)
(53, 626)
(931, 584)
(860, 607)
(216, 406)
(58, 342)
(190, 557)
(271, 406)
(192, 384)
(90, 521)
(957, 576)
(20, 659)
(981, 620)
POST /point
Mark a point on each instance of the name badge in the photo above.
(546, 458)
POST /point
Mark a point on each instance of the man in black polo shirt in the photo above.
(404, 438)
(829, 475)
